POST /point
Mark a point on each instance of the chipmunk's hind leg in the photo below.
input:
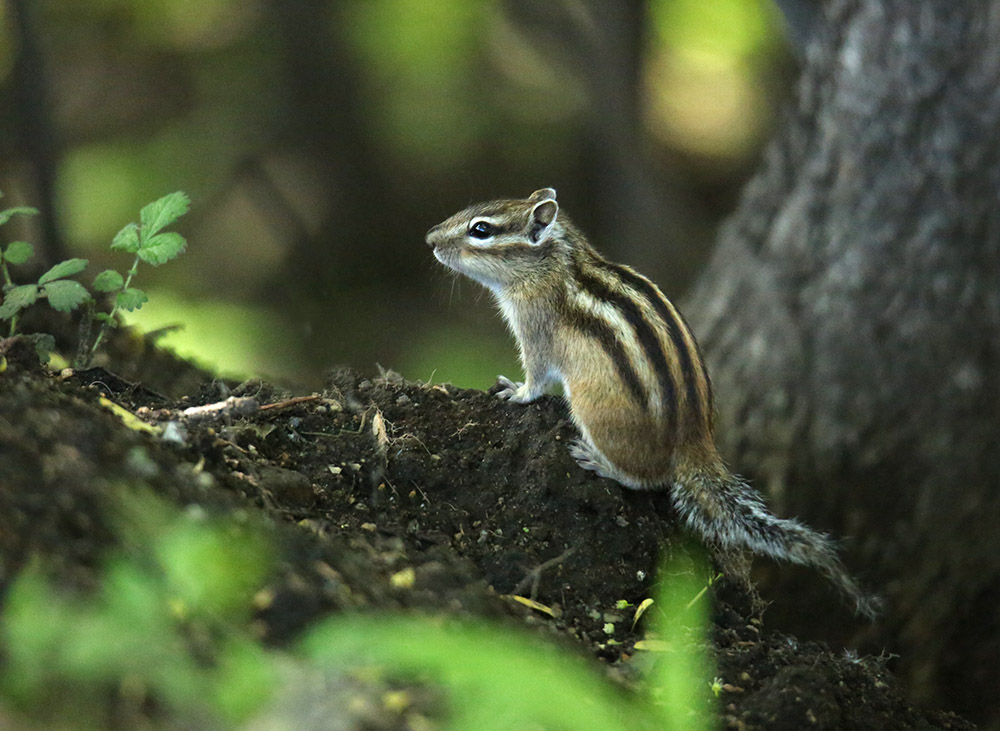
(590, 458)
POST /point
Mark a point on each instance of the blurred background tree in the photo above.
(319, 139)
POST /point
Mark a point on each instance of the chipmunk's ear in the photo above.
(542, 194)
(543, 216)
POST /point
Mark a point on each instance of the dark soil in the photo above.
(376, 475)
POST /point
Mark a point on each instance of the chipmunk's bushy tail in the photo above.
(726, 512)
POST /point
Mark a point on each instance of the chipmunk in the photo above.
(631, 371)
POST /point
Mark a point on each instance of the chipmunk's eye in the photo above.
(482, 230)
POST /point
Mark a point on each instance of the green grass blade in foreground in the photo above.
(681, 675)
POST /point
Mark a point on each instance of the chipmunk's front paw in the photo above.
(517, 392)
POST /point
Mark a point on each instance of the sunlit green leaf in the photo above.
(162, 248)
(16, 299)
(9, 213)
(66, 295)
(108, 281)
(18, 252)
(131, 299)
(163, 212)
(127, 239)
(63, 269)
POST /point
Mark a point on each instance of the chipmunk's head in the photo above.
(501, 242)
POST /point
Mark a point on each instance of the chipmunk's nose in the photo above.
(432, 238)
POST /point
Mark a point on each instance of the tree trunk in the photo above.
(851, 317)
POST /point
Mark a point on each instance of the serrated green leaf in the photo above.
(63, 269)
(108, 281)
(127, 239)
(18, 252)
(66, 295)
(162, 248)
(16, 299)
(163, 212)
(9, 213)
(131, 299)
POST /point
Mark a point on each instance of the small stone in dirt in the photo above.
(291, 487)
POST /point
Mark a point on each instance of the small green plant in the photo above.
(716, 686)
(62, 294)
(150, 244)
(146, 240)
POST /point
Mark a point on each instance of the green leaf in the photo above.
(162, 248)
(131, 299)
(66, 295)
(18, 252)
(108, 281)
(163, 212)
(18, 211)
(63, 269)
(105, 317)
(16, 299)
(127, 239)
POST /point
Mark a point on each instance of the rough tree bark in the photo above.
(851, 316)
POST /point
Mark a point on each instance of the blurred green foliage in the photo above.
(181, 579)
(322, 138)
(459, 355)
(423, 89)
(165, 635)
(730, 29)
(501, 679)
(226, 337)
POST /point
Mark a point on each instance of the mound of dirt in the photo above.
(477, 498)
